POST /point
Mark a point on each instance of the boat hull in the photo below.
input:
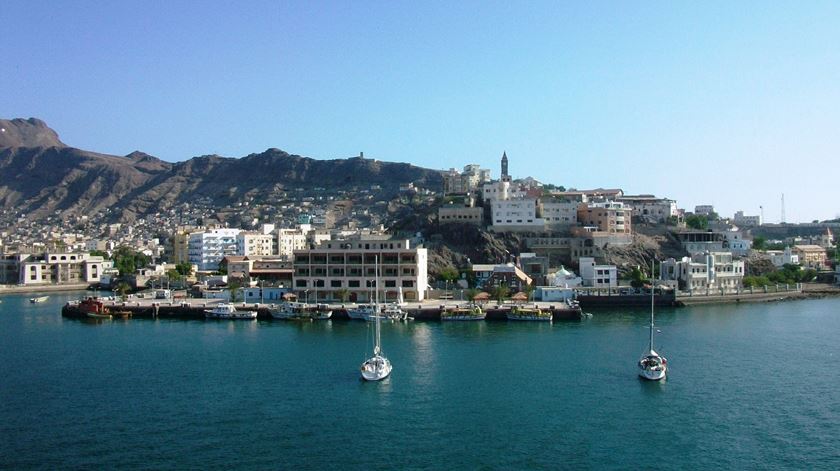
(376, 368)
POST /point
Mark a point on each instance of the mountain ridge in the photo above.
(40, 175)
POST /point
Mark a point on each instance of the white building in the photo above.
(597, 276)
(289, 240)
(558, 212)
(52, 268)
(351, 265)
(516, 214)
(254, 244)
(737, 244)
(500, 191)
(650, 208)
(705, 273)
(780, 258)
(208, 248)
(704, 209)
(747, 221)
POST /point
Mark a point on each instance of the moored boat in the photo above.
(38, 299)
(300, 311)
(362, 311)
(229, 311)
(471, 312)
(522, 313)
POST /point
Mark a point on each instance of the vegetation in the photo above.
(637, 278)
(343, 294)
(759, 243)
(122, 288)
(500, 292)
(787, 275)
(697, 221)
(449, 274)
(233, 287)
(127, 261)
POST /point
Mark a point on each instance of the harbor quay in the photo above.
(195, 308)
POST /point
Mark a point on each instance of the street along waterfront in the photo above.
(256, 394)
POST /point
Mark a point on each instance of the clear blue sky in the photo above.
(724, 103)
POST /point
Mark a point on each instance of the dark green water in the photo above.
(750, 386)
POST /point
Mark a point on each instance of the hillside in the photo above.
(40, 175)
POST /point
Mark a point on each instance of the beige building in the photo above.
(612, 217)
(456, 213)
(811, 256)
(289, 240)
(350, 265)
(254, 243)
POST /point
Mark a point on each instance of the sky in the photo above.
(726, 103)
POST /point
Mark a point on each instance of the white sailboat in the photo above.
(376, 367)
(652, 365)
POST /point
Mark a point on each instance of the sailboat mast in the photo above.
(651, 304)
(376, 307)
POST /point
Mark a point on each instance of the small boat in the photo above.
(652, 366)
(95, 315)
(362, 311)
(470, 312)
(395, 313)
(229, 311)
(299, 311)
(38, 299)
(522, 313)
(376, 367)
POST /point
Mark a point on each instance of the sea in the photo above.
(750, 386)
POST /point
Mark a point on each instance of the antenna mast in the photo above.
(783, 208)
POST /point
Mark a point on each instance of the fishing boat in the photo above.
(362, 311)
(395, 313)
(299, 311)
(377, 367)
(38, 299)
(469, 312)
(229, 311)
(522, 313)
(652, 365)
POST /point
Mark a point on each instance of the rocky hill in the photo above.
(40, 175)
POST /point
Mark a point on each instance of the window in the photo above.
(335, 284)
(353, 283)
(300, 283)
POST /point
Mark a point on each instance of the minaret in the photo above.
(505, 176)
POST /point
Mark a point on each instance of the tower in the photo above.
(505, 176)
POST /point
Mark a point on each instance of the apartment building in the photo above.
(610, 216)
(650, 208)
(597, 276)
(289, 240)
(811, 256)
(255, 244)
(704, 273)
(208, 248)
(351, 264)
(558, 212)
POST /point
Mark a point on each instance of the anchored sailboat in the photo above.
(376, 367)
(652, 365)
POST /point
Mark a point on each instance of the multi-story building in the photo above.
(255, 243)
(289, 240)
(780, 258)
(207, 248)
(597, 276)
(350, 266)
(747, 221)
(454, 213)
(458, 183)
(811, 256)
(610, 216)
(650, 208)
(704, 209)
(516, 214)
(558, 212)
(51, 268)
(704, 273)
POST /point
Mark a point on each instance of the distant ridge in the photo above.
(40, 175)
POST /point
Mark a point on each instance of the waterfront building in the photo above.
(337, 266)
(704, 273)
(51, 268)
(207, 248)
(488, 276)
(811, 256)
(780, 258)
(597, 276)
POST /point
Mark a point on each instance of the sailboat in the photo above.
(376, 367)
(652, 365)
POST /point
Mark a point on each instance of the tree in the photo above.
(759, 243)
(343, 294)
(697, 221)
(184, 269)
(449, 274)
(637, 278)
(127, 261)
(121, 289)
(501, 291)
(233, 287)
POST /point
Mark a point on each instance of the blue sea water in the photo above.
(750, 386)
